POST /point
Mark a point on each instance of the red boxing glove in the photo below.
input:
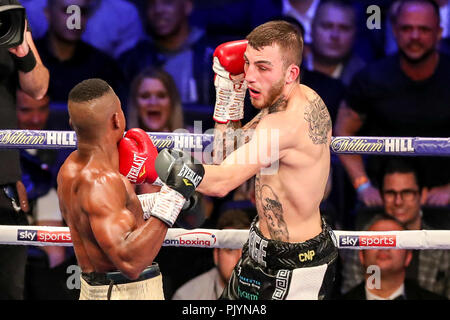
(231, 56)
(228, 65)
(137, 156)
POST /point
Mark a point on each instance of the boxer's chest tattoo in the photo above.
(270, 207)
(319, 121)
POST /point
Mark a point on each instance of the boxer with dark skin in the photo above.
(98, 204)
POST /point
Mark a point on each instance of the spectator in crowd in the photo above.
(385, 271)
(113, 26)
(154, 106)
(181, 49)
(402, 195)
(46, 266)
(304, 12)
(69, 59)
(21, 67)
(444, 13)
(412, 103)
(209, 285)
(333, 34)
(154, 102)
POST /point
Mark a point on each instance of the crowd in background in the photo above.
(379, 75)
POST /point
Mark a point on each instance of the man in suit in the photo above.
(386, 270)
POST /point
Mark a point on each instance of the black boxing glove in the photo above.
(178, 171)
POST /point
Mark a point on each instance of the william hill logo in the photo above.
(388, 145)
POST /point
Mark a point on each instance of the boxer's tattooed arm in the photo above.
(224, 140)
(257, 188)
(319, 121)
(273, 212)
(228, 137)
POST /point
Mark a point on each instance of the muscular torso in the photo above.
(76, 179)
(288, 200)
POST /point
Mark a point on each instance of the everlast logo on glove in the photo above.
(190, 177)
(138, 162)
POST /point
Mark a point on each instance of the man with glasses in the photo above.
(403, 197)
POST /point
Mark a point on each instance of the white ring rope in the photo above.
(234, 239)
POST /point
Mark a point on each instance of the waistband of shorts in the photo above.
(101, 279)
(286, 254)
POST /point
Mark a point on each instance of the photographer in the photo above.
(21, 68)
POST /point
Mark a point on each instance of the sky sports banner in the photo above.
(203, 141)
(235, 239)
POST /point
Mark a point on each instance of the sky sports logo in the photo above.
(44, 236)
(368, 241)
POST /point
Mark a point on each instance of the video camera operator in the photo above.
(22, 67)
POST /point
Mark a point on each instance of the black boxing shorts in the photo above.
(276, 270)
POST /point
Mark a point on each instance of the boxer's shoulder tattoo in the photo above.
(273, 211)
(279, 105)
(319, 120)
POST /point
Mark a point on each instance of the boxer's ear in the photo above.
(116, 120)
(292, 73)
(70, 123)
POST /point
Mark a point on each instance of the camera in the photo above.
(12, 25)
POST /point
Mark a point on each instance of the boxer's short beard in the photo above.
(275, 93)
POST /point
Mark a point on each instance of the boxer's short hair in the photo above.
(88, 90)
(282, 33)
